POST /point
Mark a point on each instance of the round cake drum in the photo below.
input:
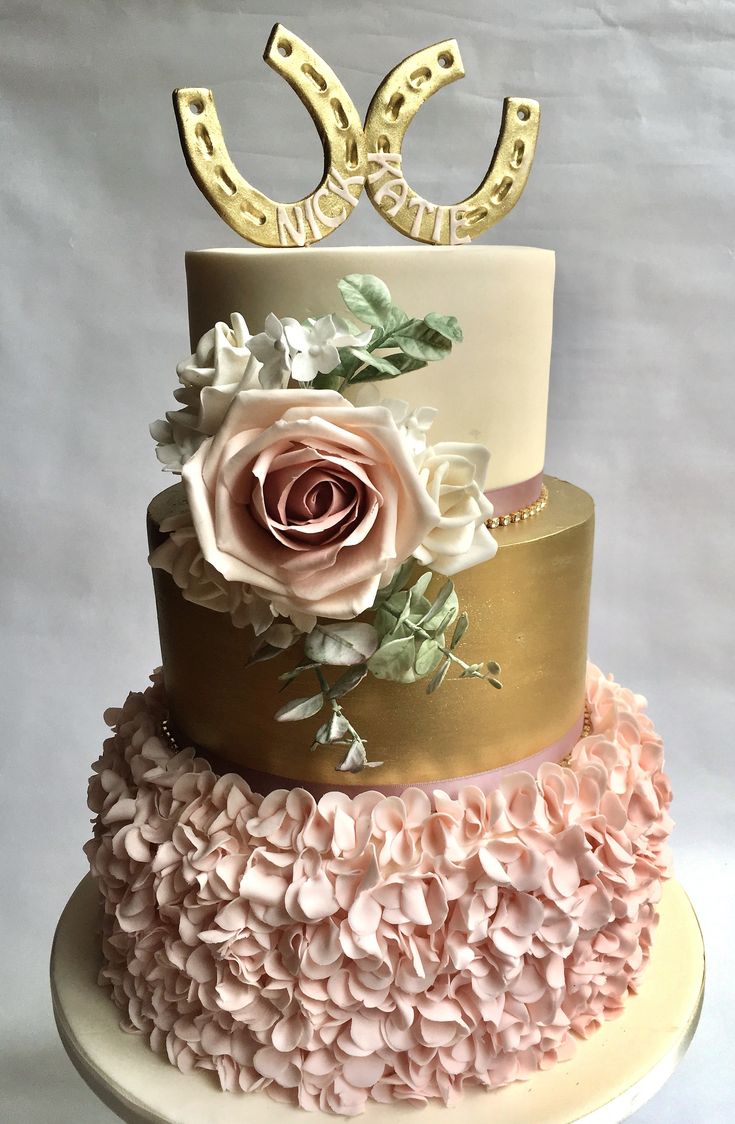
(611, 1075)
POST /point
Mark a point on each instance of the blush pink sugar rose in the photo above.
(310, 500)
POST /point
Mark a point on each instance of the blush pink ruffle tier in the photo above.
(394, 948)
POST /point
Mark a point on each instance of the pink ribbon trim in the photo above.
(515, 496)
(264, 783)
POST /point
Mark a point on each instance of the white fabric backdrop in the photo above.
(633, 186)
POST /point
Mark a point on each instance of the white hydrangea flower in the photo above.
(314, 345)
(454, 473)
(271, 349)
(221, 366)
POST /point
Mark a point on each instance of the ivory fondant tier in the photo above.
(528, 609)
(492, 389)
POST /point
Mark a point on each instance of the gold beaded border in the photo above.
(168, 737)
(587, 724)
(585, 733)
(523, 513)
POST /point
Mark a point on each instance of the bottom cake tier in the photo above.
(385, 947)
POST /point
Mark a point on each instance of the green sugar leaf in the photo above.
(447, 326)
(348, 681)
(341, 644)
(263, 653)
(332, 381)
(442, 610)
(438, 678)
(406, 363)
(366, 356)
(295, 672)
(378, 366)
(355, 760)
(427, 658)
(459, 630)
(298, 709)
(333, 730)
(394, 660)
(368, 297)
(416, 339)
(399, 579)
(396, 318)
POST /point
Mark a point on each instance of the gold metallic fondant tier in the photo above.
(528, 610)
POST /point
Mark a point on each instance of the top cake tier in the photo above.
(493, 389)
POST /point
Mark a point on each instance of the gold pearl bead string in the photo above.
(168, 737)
(587, 725)
(523, 513)
(585, 733)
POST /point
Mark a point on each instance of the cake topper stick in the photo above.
(248, 211)
(395, 103)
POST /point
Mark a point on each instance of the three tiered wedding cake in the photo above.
(376, 829)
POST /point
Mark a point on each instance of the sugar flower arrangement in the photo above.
(318, 514)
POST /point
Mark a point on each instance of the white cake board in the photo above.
(611, 1075)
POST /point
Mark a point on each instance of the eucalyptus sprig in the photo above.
(405, 641)
(342, 644)
(412, 633)
(399, 343)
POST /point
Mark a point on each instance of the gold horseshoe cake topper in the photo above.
(248, 211)
(355, 157)
(395, 103)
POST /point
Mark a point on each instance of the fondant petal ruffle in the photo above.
(391, 948)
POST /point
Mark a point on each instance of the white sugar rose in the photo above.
(221, 366)
(453, 474)
(413, 424)
(311, 501)
(180, 556)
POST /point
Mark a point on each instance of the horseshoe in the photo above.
(394, 105)
(248, 211)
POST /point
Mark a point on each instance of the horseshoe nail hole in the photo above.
(196, 107)
(284, 49)
(383, 143)
(474, 215)
(394, 107)
(445, 60)
(225, 182)
(316, 77)
(523, 113)
(204, 140)
(252, 215)
(419, 77)
(339, 114)
(501, 190)
(516, 159)
(351, 153)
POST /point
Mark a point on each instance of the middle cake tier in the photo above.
(528, 610)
